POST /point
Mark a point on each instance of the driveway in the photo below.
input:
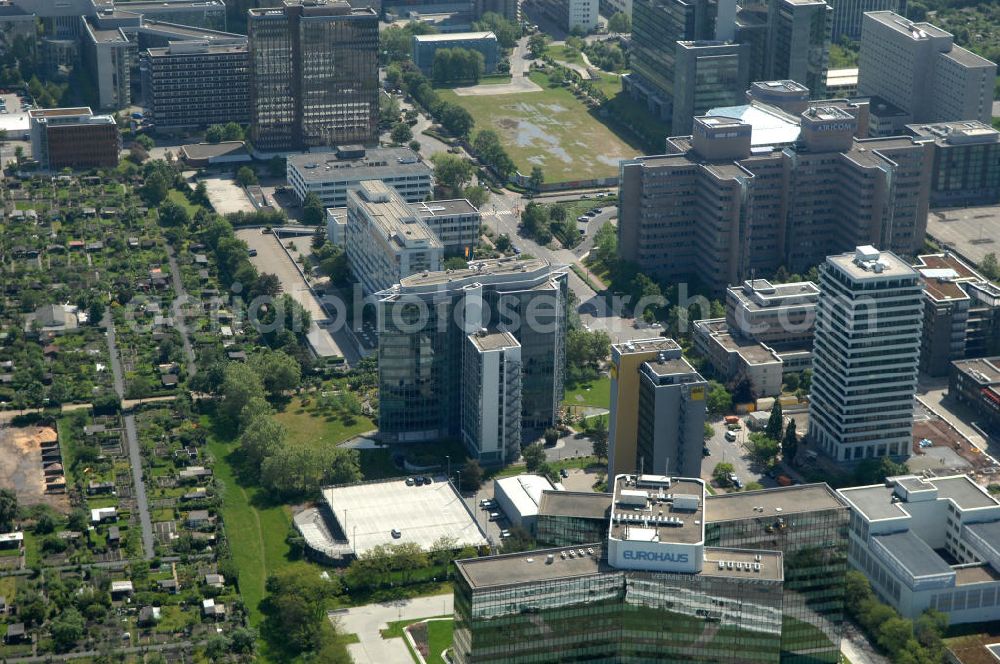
(366, 621)
(723, 451)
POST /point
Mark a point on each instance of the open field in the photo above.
(21, 466)
(313, 425)
(550, 128)
(595, 393)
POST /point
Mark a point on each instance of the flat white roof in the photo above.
(367, 514)
(524, 492)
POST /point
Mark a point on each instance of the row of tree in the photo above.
(452, 65)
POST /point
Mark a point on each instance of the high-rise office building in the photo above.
(73, 138)
(865, 356)
(602, 594)
(424, 322)
(386, 240)
(808, 525)
(491, 396)
(917, 69)
(723, 205)
(961, 313)
(707, 74)
(966, 168)
(314, 75)
(848, 15)
(181, 83)
(799, 43)
(657, 409)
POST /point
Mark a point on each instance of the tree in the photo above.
(401, 133)
(507, 32)
(536, 178)
(232, 132)
(709, 431)
(534, 456)
(775, 423)
(295, 608)
(599, 437)
(620, 22)
(455, 119)
(8, 509)
(246, 176)
(990, 267)
(278, 371)
(763, 449)
(537, 45)
(155, 189)
(146, 142)
(300, 471)
(173, 214)
(67, 629)
(719, 400)
(477, 195)
(313, 211)
(489, 148)
(262, 436)
(240, 384)
(472, 476)
(551, 436)
(503, 243)
(790, 442)
(214, 134)
(721, 472)
(451, 170)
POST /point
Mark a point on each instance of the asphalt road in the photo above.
(132, 438)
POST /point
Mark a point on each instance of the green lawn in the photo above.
(439, 634)
(181, 199)
(564, 53)
(309, 427)
(595, 393)
(549, 128)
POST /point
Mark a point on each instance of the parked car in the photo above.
(486, 503)
(395, 534)
(784, 480)
(563, 472)
(252, 253)
(504, 533)
(494, 516)
(731, 436)
(410, 481)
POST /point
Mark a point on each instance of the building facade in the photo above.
(491, 397)
(917, 68)
(961, 313)
(73, 138)
(571, 518)
(484, 43)
(929, 544)
(314, 75)
(330, 175)
(848, 15)
(424, 322)
(657, 408)
(865, 356)
(976, 383)
(966, 168)
(181, 84)
(719, 208)
(456, 223)
(386, 241)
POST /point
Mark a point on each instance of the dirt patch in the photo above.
(22, 465)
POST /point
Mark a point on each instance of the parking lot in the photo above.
(973, 232)
(226, 195)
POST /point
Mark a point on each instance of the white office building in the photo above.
(331, 174)
(491, 396)
(386, 241)
(865, 356)
(929, 544)
(455, 222)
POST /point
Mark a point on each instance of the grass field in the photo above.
(181, 199)
(307, 426)
(596, 393)
(551, 129)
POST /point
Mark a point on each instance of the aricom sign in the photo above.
(655, 556)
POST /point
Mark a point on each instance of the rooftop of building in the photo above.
(534, 566)
(375, 164)
(942, 274)
(580, 504)
(444, 208)
(139, 5)
(985, 370)
(657, 508)
(845, 76)
(454, 36)
(796, 499)
(967, 58)
(981, 573)
(956, 133)
(826, 112)
(752, 352)
(783, 86)
(59, 112)
(771, 126)
(565, 563)
(906, 27)
(761, 294)
(651, 345)
(189, 32)
(913, 554)
(209, 150)
(880, 501)
(313, 8)
(392, 216)
(867, 262)
(476, 272)
(195, 47)
(670, 367)
(487, 341)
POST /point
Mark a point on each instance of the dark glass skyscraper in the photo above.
(314, 75)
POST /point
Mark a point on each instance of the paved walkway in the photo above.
(366, 621)
(132, 437)
(178, 314)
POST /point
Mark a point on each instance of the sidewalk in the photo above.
(366, 621)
